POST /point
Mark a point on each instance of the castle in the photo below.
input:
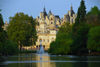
(48, 26)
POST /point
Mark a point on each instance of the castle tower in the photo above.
(44, 9)
(41, 15)
(71, 7)
(49, 13)
(44, 13)
(71, 12)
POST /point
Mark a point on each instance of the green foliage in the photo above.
(1, 22)
(78, 17)
(80, 41)
(21, 29)
(94, 11)
(1, 29)
(63, 40)
(10, 47)
(98, 16)
(77, 39)
(2, 38)
(80, 31)
(93, 17)
(81, 13)
(1, 47)
(52, 47)
(93, 42)
(6, 46)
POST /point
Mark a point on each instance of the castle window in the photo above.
(51, 22)
(38, 23)
(43, 40)
(48, 40)
(52, 39)
(40, 40)
(51, 18)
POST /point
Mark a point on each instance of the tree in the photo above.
(94, 11)
(10, 47)
(6, 46)
(79, 44)
(81, 13)
(63, 40)
(21, 29)
(77, 20)
(2, 38)
(93, 42)
(93, 16)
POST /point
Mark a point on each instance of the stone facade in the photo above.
(47, 28)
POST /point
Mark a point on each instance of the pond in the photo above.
(46, 60)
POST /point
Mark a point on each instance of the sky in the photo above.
(34, 7)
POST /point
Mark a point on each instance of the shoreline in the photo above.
(85, 54)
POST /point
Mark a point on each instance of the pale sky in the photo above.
(34, 7)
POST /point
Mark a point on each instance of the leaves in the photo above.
(21, 29)
(93, 42)
(63, 40)
(6, 46)
(94, 11)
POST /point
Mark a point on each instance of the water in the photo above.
(46, 60)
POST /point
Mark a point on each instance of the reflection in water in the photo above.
(46, 60)
(43, 58)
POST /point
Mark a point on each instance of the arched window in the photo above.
(38, 23)
(40, 40)
(51, 18)
(48, 40)
(52, 39)
(51, 22)
(43, 40)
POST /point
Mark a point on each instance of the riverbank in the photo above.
(85, 54)
(27, 51)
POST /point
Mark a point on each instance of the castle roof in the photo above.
(57, 16)
(44, 13)
(49, 13)
(71, 10)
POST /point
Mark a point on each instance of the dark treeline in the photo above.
(6, 46)
(82, 36)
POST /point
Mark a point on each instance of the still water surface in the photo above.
(46, 60)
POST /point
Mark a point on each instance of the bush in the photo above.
(10, 47)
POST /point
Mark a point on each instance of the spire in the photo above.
(44, 8)
(71, 7)
(44, 12)
(50, 11)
